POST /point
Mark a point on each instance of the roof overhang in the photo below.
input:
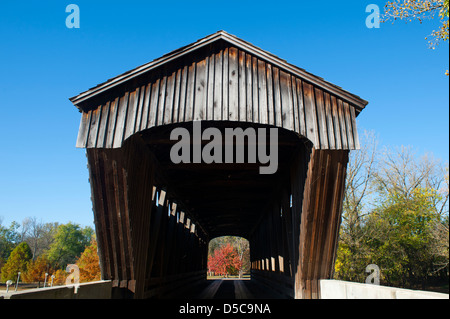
(355, 100)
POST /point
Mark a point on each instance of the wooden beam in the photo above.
(320, 218)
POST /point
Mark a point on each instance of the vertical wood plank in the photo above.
(301, 107)
(140, 109)
(262, 92)
(111, 123)
(118, 229)
(121, 120)
(146, 107)
(161, 101)
(255, 88)
(295, 105)
(270, 79)
(132, 112)
(98, 191)
(200, 90)
(310, 114)
(183, 93)
(336, 122)
(190, 93)
(233, 87)
(103, 125)
(321, 119)
(348, 124)
(357, 145)
(83, 131)
(225, 95)
(242, 75)
(170, 92)
(153, 107)
(176, 99)
(94, 127)
(218, 96)
(287, 103)
(249, 88)
(342, 124)
(329, 120)
(210, 92)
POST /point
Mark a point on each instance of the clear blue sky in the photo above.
(43, 63)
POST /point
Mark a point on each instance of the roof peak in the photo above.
(233, 40)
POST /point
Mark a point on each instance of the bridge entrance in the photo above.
(156, 207)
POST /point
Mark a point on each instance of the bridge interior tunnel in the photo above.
(154, 218)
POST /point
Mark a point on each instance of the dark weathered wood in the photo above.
(321, 212)
(154, 218)
(233, 87)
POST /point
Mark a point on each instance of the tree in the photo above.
(357, 205)
(401, 247)
(410, 10)
(241, 245)
(9, 238)
(89, 263)
(36, 270)
(395, 215)
(69, 242)
(38, 235)
(17, 262)
(419, 10)
(225, 261)
(400, 172)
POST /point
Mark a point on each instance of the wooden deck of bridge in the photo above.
(234, 289)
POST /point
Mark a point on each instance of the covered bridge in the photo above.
(154, 218)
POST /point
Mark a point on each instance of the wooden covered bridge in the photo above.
(154, 218)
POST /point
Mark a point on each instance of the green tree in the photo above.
(69, 242)
(403, 241)
(9, 238)
(17, 262)
(395, 215)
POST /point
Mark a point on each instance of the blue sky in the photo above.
(43, 63)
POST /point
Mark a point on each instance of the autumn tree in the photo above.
(409, 10)
(89, 263)
(225, 261)
(36, 270)
(241, 245)
(420, 10)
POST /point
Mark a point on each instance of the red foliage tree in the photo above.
(225, 261)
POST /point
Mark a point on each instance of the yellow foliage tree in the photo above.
(89, 263)
(37, 269)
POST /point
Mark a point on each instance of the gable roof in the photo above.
(355, 100)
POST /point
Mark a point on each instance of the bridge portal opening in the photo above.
(229, 257)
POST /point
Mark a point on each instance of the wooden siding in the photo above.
(227, 85)
(142, 233)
